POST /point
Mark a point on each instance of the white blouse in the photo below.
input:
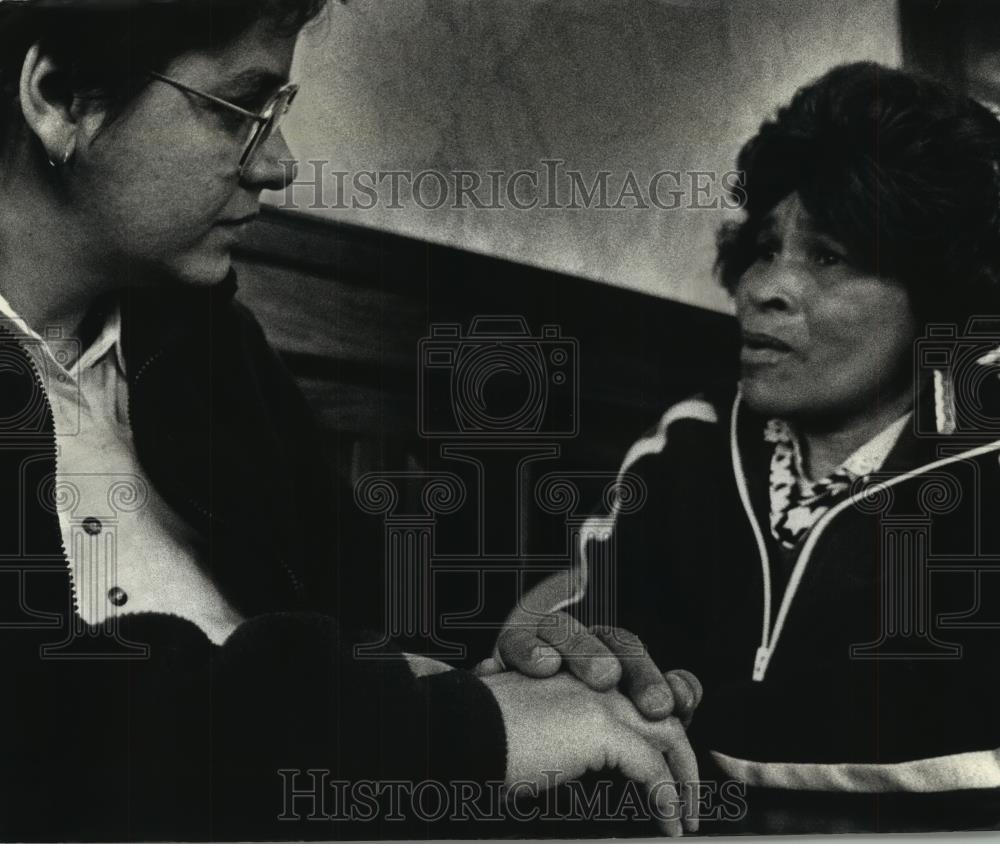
(128, 550)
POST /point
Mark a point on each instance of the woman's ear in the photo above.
(47, 105)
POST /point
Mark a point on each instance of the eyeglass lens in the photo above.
(265, 129)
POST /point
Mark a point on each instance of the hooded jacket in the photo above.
(141, 728)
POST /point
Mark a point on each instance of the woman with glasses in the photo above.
(819, 545)
(174, 554)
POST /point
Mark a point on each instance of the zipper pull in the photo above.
(760, 663)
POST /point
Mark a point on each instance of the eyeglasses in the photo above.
(264, 124)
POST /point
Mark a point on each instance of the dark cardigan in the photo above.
(142, 729)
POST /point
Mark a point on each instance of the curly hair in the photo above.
(107, 46)
(901, 170)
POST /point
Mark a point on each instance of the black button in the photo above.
(92, 526)
(117, 596)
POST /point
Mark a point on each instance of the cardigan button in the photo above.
(117, 596)
(92, 525)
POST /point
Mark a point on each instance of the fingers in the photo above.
(643, 764)
(642, 681)
(669, 737)
(487, 667)
(683, 762)
(693, 682)
(521, 649)
(687, 693)
(582, 652)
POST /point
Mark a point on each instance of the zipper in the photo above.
(769, 637)
(54, 453)
(763, 655)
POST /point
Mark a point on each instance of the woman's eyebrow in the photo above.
(824, 239)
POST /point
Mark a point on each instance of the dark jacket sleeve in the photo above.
(198, 741)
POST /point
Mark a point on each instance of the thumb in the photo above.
(521, 649)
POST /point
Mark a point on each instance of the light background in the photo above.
(641, 85)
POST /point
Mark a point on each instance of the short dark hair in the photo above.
(106, 46)
(900, 169)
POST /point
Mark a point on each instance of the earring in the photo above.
(65, 158)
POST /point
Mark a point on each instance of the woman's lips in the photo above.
(759, 348)
(239, 222)
(234, 230)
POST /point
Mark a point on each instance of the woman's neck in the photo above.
(44, 272)
(827, 447)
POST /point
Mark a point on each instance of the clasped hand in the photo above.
(611, 708)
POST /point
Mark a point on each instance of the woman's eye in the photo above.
(826, 258)
(233, 121)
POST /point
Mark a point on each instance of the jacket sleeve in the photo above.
(619, 535)
(247, 740)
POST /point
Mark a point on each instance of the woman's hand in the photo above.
(602, 658)
(560, 726)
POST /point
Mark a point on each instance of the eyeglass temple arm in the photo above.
(211, 98)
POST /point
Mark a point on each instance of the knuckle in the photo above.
(503, 642)
(560, 629)
(515, 644)
(508, 637)
(626, 637)
(626, 641)
(583, 641)
(566, 621)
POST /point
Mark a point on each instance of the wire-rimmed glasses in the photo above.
(263, 123)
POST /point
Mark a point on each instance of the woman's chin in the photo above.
(205, 268)
(768, 398)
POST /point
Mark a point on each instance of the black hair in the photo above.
(901, 170)
(106, 47)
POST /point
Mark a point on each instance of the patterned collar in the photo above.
(796, 501)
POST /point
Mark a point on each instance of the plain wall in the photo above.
(616, 85)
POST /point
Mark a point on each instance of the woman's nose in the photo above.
(275, 167)
(771, 286)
